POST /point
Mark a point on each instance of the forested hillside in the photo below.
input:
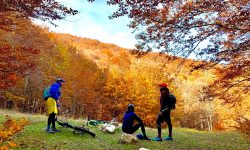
(101, 79)
(212, 91)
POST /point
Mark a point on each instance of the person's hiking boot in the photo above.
(139, 136)
(157, 139)
(168, 138)
(55, 130)
(49, 131)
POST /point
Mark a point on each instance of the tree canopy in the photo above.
(181, 26)
(217, 31)
(103, 78)
(17, 58)
(46, 10)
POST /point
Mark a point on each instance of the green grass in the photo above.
(34, 137)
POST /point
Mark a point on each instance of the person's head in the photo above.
(60, 80)
(163, 87)
(131, 107)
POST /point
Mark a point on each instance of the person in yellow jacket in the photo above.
(53, 104)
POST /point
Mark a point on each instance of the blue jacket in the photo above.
(129, 118)
(55, 91)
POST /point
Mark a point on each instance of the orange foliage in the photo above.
(181, 27)
(14, 61)
(101, 79)
(9, 129)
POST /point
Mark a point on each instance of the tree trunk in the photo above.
(210, 115)
(74, 103)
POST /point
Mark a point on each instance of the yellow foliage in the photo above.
(10, 128)
(12, 144)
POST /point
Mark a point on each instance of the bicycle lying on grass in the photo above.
(77, 129)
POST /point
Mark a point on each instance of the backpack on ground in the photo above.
(46, 93)
(173, 100)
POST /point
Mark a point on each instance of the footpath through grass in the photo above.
(34, 137)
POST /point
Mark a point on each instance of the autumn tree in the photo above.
(29, 70)
(82, 83)
(136, 81)
(13, 55)
(13, 62)
(45, 10)
(181, 26)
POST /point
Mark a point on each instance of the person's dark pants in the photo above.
(134, 128)
(52, 120)
(165, 116)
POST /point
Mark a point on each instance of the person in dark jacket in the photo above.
(164, 115)
(53, 104)
(128, 122)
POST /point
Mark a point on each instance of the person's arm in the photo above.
(137, 118)
(161, 99)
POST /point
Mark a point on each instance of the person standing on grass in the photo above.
(53, 104)
(164, 115)
(128, 123)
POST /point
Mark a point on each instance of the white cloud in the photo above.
(93, 23)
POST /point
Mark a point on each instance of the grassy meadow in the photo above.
(34, 137)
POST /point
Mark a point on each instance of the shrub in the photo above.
(9, 128)
(243, 126)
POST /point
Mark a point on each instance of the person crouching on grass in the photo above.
(53, 104)
(128, 123)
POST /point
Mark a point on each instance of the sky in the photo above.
(93, 22)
